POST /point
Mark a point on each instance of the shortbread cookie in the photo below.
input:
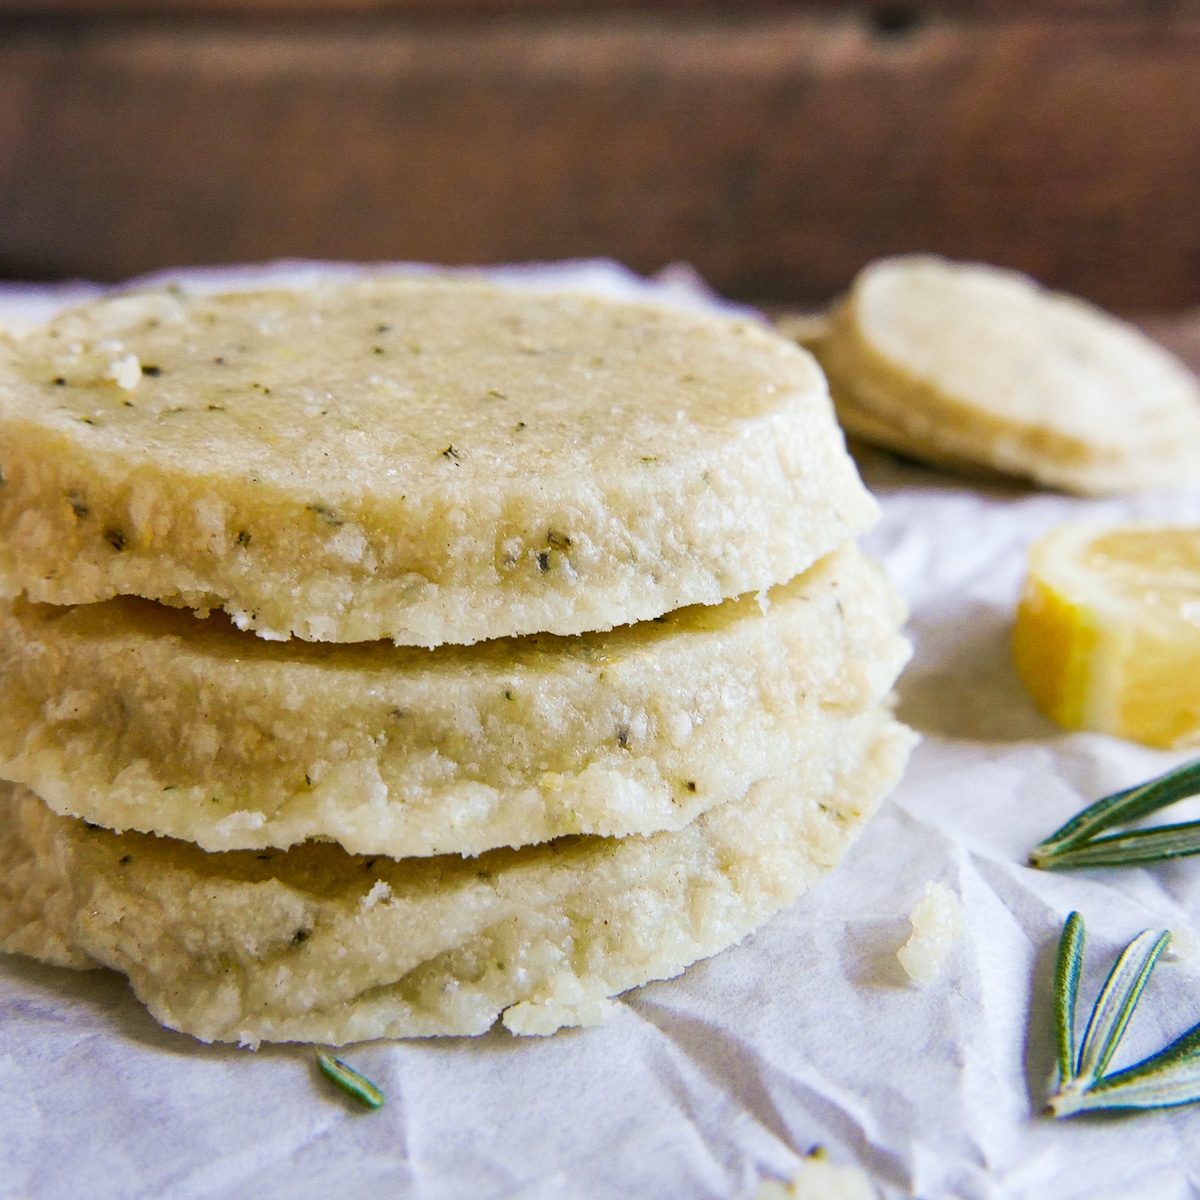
(968, 363)
(427, 460)
(807, 329)
(313, 944)
(863, 425)
(136, 716)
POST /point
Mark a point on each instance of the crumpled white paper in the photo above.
(808, 1033)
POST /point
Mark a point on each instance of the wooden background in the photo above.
(776, 147)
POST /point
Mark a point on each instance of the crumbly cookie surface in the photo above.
(968, 363)
(136, 716)
(313, 944)
(421, 459)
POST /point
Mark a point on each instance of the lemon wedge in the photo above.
(1108, 631)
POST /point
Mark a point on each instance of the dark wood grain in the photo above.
(889, 12)
(1179, 332)
(777, 150)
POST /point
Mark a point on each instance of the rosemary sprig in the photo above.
(349, 1080)
(1079, 842)
(1165, 1079)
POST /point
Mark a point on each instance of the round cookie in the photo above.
(135, 716)
(969, 363)
(312, 944)
(423, 459)
(864, 425)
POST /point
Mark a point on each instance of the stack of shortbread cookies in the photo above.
(980, 369)
(567, 669)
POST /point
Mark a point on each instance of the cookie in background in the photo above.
(976, 368)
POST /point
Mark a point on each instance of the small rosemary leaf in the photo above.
(1149, 1094)
(1127, 849)
(1066, 992)
(1114, 1006)
(1123, 807)
(1165, 1079)
(349, 1080)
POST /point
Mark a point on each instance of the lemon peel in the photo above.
(1107, 633)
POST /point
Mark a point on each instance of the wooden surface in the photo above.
(775, 148)
(1179, 332)
(887, 12)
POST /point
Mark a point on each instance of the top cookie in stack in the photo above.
(643, 517)
(422, 460)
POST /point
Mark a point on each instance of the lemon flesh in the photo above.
(1108, 631)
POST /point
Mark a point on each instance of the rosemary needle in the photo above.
(1066, 992)
(349, 1080)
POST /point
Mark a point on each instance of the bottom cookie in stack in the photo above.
(316, 944)
(302, 819)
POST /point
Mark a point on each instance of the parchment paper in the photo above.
(807, 1033)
